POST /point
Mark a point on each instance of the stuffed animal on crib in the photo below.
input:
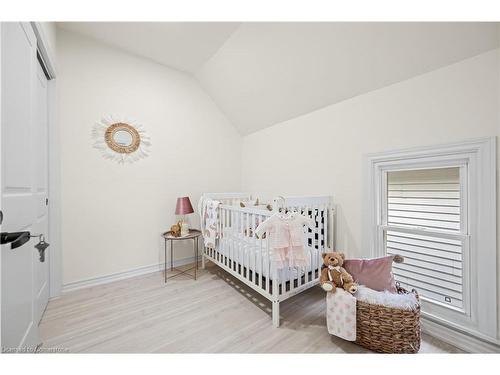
(334, 276)
(256, 204)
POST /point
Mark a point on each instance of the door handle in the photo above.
(16, 239)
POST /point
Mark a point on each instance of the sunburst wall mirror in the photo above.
(121, 139)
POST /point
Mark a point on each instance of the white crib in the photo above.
(248, 258)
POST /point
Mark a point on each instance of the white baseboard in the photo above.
(461, 340)
(105, 279)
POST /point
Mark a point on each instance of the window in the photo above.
(436, 206)
(424, 224)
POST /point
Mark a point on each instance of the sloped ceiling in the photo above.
(268, 73)
(261, 74)
(185, 46)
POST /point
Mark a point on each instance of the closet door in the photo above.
(20, 201)
(41, 223)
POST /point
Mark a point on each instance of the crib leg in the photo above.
(276, 314)
(203, 259)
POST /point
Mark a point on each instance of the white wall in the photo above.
(113, 214)
(322, 152)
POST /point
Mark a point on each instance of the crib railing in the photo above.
(247, 254)
(229, 198)
(250, 258)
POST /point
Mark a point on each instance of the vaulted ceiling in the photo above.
(263, 73)
(184, 46)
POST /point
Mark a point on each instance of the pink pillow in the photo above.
(374, 273)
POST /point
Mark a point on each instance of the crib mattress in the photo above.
(245, 252)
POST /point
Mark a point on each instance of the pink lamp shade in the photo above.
(183, 206)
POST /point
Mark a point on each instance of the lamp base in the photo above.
(184, 229)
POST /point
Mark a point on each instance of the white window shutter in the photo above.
(428, 201)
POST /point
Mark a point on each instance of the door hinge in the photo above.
(46, 201)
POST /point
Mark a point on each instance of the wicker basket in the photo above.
(388, 330)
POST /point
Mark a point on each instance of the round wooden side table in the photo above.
(193, 234)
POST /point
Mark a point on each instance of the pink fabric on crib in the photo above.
(374, 273)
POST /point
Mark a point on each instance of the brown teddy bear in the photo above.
(333, 275)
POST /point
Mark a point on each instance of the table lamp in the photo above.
(183, 208)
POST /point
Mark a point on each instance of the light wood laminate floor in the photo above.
(214, 314)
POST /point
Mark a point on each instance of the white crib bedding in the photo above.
(243, 251)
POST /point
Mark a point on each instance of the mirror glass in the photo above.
(123, 138)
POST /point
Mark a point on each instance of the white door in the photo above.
(24, 186)
(41, 224)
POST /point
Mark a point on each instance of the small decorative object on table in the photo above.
(176, 230)
(183, 208)
(193, 234)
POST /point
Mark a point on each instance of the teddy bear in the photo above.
(334, 276)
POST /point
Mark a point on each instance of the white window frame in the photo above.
(477, 159)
